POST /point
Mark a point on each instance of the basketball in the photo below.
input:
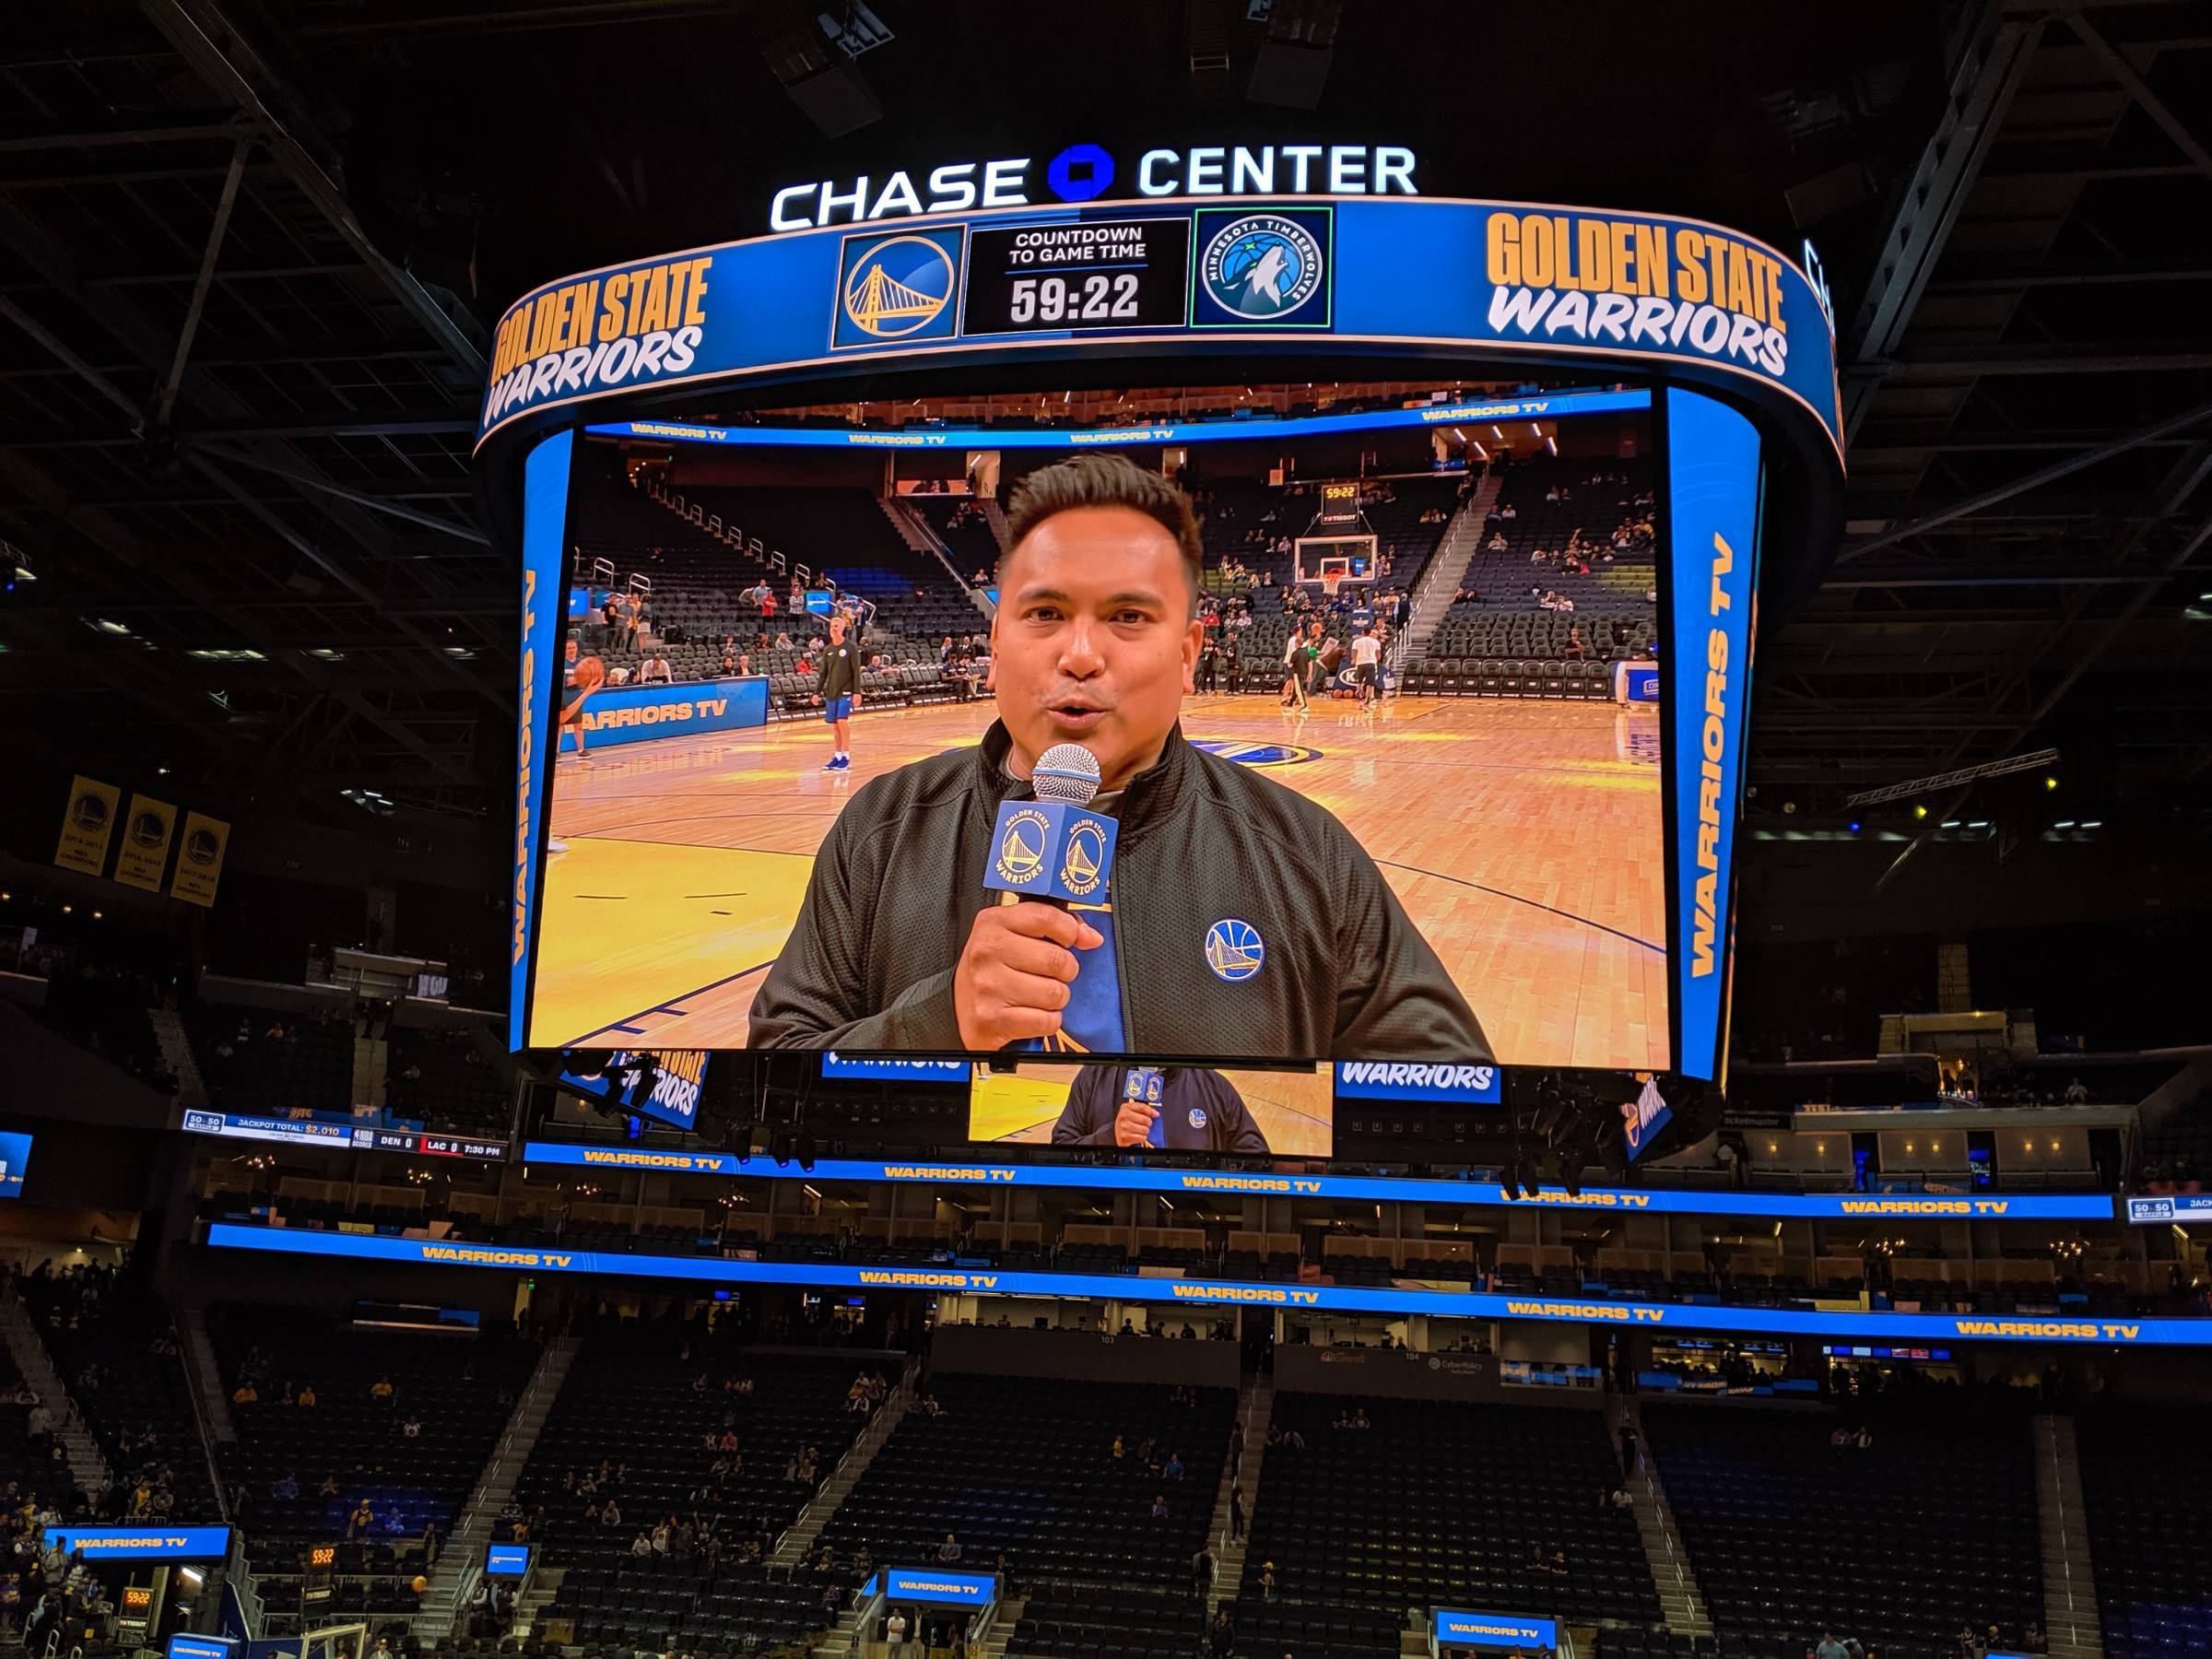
(420, 1584)
(591, 674)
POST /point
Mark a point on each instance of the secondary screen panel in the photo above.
(1160, 1108)
(1339, 862)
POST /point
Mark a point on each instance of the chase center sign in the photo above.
(1084, 172)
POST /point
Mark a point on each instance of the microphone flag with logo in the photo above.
(1056, 850)
(1147, 1084)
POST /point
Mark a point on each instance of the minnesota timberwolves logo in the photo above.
(1021, 847)
(1234, 949)
(897, 288)
(1264, 267)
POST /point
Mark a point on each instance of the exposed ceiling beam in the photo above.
(1991, 63)
(228, 63)
(2137, 87)
(2035, 480)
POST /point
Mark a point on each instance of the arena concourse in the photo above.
(1756, 647)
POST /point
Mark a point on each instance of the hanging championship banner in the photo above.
(86, 825)
(146, 829)
(200, 860)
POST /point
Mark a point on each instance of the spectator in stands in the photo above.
(361, 1520)
(656, 672)
(245, 1394)
(1160, 1506)
(381, 1389)
(1574, 651)
(2077, 1093)
(728, 664)
(284, 1487)
(412, 1428)
(950, 1549)
(795, 601)
(1236, 1511)
(1267, 1580)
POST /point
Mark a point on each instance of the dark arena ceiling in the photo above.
(248, 252)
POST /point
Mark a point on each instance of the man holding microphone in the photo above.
(1238, 918)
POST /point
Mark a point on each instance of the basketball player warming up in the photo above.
(840, 692)
(579, 677)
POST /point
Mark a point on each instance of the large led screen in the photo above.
(1325, 826)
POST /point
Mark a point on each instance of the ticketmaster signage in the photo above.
(1217, 1294)
(1769, 1207)
(1457, 1630)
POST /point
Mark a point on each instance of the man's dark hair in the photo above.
(1108, 481)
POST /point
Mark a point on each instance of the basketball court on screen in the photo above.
(1522, 837)
(1295, 1112)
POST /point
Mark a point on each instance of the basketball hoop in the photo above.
(1330, 582)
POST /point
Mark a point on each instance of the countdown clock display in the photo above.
(1078, 275)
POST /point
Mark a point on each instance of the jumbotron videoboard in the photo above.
(1400, 873)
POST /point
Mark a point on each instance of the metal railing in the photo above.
(474, 1524)
(861, 1448)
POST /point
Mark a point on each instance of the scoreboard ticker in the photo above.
(342, 1136)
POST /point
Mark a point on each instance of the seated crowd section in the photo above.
(1560, 582)
(262, 1060)
(1898, 1543)
(1091, 1497)
(668, 1467)
(448, 1078)
(113, 1342)
(2140, 1468)
(702, 558)
(1437, 1503)
(365, 1438)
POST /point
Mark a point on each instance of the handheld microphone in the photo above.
(1055, 850)
(1052, 847)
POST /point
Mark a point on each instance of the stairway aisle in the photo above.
(1255, 1404)
(2071, 1626)
(1461, 540)
(177, 1055)
(461, 1557)
(799, 1538)
(1681, 1602)
(88, 1467)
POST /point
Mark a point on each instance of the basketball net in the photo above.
(1330, 582)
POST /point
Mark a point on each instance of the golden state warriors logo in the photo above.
(1234, 949)
(1083, 862)
(1257, 754)
(897, 288)
(1020, 856)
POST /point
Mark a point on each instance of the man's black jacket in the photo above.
(1223, 1124)
(900, 879)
